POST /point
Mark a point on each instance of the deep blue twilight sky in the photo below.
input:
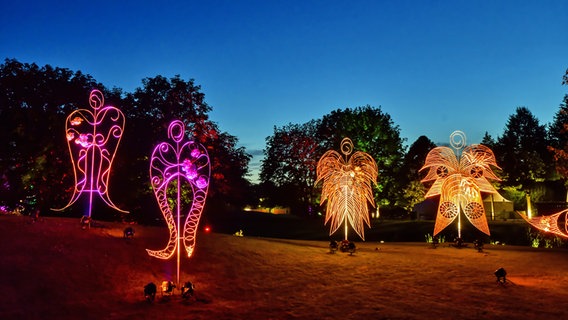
(433, 66)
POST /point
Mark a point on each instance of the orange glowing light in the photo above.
(75, 121)
(556, 224)
(347, 187)
(459, 181)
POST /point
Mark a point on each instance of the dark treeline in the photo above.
(533, 158)
(35, 101)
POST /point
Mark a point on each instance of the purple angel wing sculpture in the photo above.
(173, 165)
(93, 138)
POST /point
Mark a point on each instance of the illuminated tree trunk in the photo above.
(492, 209)
(529, 208)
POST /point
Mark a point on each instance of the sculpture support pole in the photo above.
(178, 226)
(92, 182)
(459, 222)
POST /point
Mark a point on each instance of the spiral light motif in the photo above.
(457, 140)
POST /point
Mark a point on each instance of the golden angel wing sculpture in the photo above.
(181, 164)
(556, 223)
(460, 181)
(347, 187)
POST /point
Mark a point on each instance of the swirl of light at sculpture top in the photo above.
(458, 140)
(173, 164)
(460, 181)
(347, 187)
(92, 139)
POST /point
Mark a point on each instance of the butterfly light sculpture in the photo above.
(459, 181)
(93, 138)
(347, 187)
(173, 166)
(556, 223)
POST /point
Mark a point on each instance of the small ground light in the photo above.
(150, 291)
(187, 290)
(128, 233)
(167, 288)
(207, 229)
(501, 275)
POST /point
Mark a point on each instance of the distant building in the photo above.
(498, 208)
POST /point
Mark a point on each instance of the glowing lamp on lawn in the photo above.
(459, 181)
(93, 138)
(347, 187)
(173, 164)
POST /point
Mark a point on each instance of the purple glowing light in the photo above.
(93, 138)
(176, 163)
(201, 183)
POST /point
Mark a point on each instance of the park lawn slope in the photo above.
(52, 269)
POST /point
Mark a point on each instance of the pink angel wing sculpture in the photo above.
(347, 187)
(556, 223)
(460, 182)
(93, 138)
(174, 164)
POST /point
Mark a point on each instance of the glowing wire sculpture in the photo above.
(173, 164)
(347, 187)
(93, 138)
(459, 181)
(556, 223)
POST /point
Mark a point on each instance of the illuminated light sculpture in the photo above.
(459, 181)
(184, 162)
(93, 138)
(556, 224)
(347, 187)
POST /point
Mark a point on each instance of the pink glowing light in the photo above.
(175, 163)
(459, 181)
(347, 187)
(93, 138)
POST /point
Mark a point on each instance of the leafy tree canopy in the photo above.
(521, 150)
(34, 102)
(292, 152)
